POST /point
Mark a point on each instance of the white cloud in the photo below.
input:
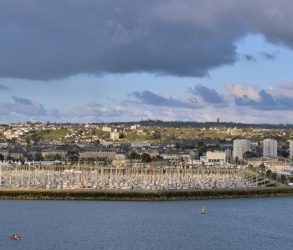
(239, 90)
(243, 104)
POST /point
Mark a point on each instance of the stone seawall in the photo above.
(162, 195)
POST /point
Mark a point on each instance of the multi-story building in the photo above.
(240, 146)
(4, 153)
(54, 153)
(290, 149)
(270, 148)
(176, 156)
(16, 154)
(92, 153)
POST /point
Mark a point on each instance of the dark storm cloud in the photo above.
(22, 100)
(266, 101)
(150, 98)
(261, 55)
(269, 56)
(22, 106)
(208, 95)
(250, 58)
(41, 39)
(3, 87)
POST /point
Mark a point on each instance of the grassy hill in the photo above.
(48, 134)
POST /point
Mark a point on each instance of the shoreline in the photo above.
(151, 195)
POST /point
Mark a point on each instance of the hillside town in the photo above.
(152, 146)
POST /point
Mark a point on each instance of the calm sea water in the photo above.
(228, 224)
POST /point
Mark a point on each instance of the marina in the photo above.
(103, 178)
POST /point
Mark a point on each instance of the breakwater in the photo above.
(126, 195)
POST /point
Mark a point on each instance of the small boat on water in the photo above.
(202, 210)
(15, 237)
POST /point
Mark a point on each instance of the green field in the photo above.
(48, 134)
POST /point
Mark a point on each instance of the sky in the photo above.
(129, 60)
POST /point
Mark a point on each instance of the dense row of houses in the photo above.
(49, 152)
(119, 153)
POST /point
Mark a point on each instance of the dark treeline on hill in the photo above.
(206, 124)
(180, 124)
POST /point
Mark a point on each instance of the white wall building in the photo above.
(134, 127)
(240, 146)
(114, 136)
(140, 144)
(214, 157)
(270, 148)
(106, 129)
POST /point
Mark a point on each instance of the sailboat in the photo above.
(202, 210)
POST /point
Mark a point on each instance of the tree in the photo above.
(202, 148)
(134, 156)
(72, 157)
(269, 174)
(35, 138)
(145, 158)
(58, 157)
(157, 158)
(93, 132)
(38, 157)
(250, 167)
(262, 168)
(157, 135)
(283, 153)
(283, 178)
(249, 154)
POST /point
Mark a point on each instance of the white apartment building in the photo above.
(270, 148)
(290, 149)
(240, 146)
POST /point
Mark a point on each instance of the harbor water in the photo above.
(264, 223)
